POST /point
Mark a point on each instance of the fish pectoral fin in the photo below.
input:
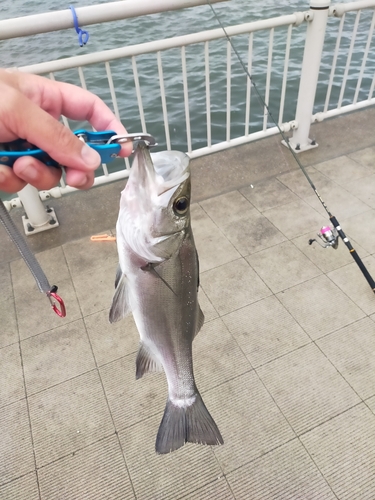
(183, 424)
(200, 321)
(146, 362)
(120, 303)
(150, 267)
(119, 274)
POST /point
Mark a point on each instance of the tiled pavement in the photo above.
(285, 360)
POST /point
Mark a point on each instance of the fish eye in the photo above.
(181, 205)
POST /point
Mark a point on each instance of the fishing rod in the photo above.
(329, 235)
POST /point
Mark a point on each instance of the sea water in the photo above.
(61, 44)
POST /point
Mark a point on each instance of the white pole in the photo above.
(37, 218)
(309, 75)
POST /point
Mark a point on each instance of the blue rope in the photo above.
(83, 36)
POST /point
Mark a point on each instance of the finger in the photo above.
(44, 177)
(9, 182)
(79, 179)
(38, 127)
(79, 104)
(75, 103)
(36, 173)
(12, 183)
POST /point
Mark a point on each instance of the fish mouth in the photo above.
(162, 171)
(171, 169)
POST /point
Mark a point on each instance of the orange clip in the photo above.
(103, 237)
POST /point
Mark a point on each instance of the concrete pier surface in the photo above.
(285, 360)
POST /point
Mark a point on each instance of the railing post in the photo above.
(317, 21)
(37, 218)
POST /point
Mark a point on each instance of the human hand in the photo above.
(30, 107)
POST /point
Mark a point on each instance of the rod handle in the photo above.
(363, 268)
(353, 252)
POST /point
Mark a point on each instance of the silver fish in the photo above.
(157, 280)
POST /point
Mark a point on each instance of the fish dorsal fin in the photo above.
(146, 362)
(200, 320)
(120, 302)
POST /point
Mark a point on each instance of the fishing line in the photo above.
(330, 238)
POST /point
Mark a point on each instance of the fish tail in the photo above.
(183, 424)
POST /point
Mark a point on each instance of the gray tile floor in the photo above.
(285, 360)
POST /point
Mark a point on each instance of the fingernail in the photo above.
(90, 156)
(29, 173)
(81, 181)
(127, 148)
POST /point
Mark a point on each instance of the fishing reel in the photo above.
(329, 236)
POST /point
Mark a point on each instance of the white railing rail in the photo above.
(340, 9)
(161, 45)
(102, 13)
(270, 43)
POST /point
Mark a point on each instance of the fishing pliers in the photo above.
(107, 144)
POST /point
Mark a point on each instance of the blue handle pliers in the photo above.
(107, 144)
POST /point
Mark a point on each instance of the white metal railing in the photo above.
(340, 11)
(275, 45)
(158, 47)
(58, 20)
(84, 63)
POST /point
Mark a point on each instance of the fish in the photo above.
(157, 280)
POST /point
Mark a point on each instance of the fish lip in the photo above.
(168, 185)
(172, 167)
(151, 166)
(144, 151)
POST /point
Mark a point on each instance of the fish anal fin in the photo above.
(200, 321)
(146, 362)
(182, 424)
(120, 303)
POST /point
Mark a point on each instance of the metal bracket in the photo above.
(287, 126)
(30, 229)
(298, 148)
